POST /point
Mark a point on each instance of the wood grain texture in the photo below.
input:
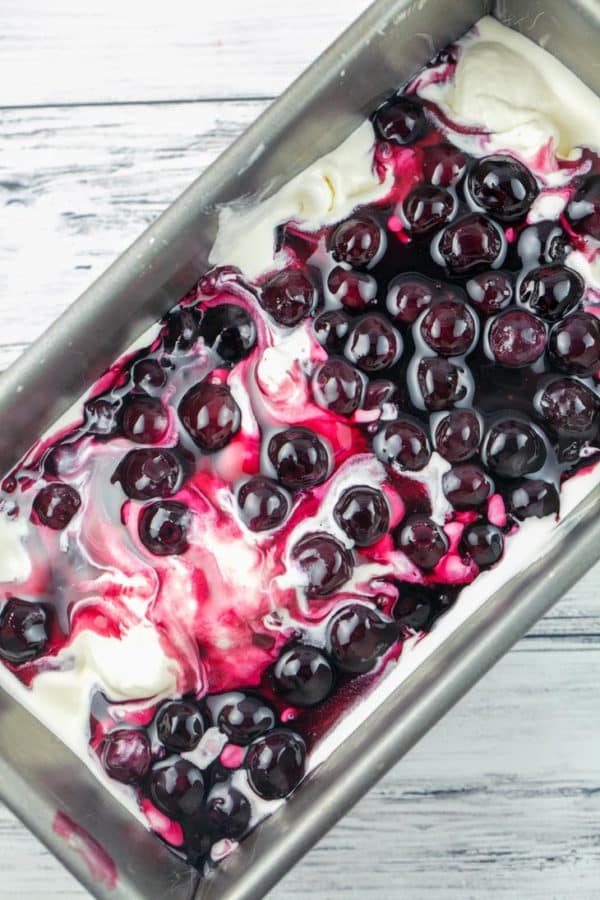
(502, 798)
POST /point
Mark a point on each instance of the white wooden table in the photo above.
(108, 110)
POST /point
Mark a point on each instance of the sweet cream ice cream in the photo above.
(369, 413)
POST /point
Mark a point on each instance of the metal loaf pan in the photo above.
(38, 776)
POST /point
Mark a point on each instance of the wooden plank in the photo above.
(501, 799)
(113, 51)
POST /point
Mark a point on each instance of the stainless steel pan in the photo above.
(38, 775)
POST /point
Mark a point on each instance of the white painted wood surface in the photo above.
(502, 799)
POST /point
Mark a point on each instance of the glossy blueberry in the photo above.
(408, 295)
(55, 505)
(404, 444)
(363, 514)
(483, 542)
(102, 415)
(574, 344)
(289, 296)
(422, 541)
(517, 338)
(210, 415)
(471, 243)
(583, 211)
(513, 448)
(23, 630)
(245, 717)
(144, 420)
(373, 344)
(532, 497)
(181, 329)
(263, 505)
(338, 386)
(441, 383)
(177, 788)
(356, 291)
(457, 435)
(179, 725)
(331, 329)
(325, 563)
(551, 291)
(449, 328)
(228, 330)
(148, 473)
(299, 457)
(126, 755)
(358, 636)
(302, 676)
(357, 241)
(426, 208)
(163, 527)
(276, 764)
(490, 292)
(466, 486)
(503, 187)
(400, 120)
(570, 407)
(228, 811)
(443, 164)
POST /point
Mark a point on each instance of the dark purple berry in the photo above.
(403, 444)
(148, 374)
(417, 606)
(466, 486)
(517, 338)
(503, 187)
(210, 415)
(583, 212)
(400, 121)
(149, 473)
(443, 164)
(276, 764)
(359, 636)
(575, 344)
(544, 242)
(126, 755)
(263, 505)
(472, 242)
(457, 435)
(23, 630)
(179, 725)
(363, 514)
(102, 416)
(532, 497)
(245, 717)
(422, 541)
(440, 382)
(163, 527)
(483, 542)
(299, 457)
(289, 296)
(325, 563)
(490, 292)
(356, 241)
(552, 291)
(408, 295)
(181, 329)
(426, 208)
(177, 788)
(354, 290)
(331, 329)
(380, 392)
(55, 505)
(144, 420)
(449, 328)
(512, 448)
(570, 407)
(229, 331)
(338, 386)
(228, 811)
(302, 676)
(373, 344)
